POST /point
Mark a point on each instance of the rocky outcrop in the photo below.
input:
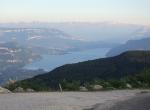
(29, 90)
(83, 89)
(97, 87)
(129, 86)
(3, 90)
(19, 89)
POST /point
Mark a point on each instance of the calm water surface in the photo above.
(49, 62)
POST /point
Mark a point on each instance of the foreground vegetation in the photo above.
(141, 80)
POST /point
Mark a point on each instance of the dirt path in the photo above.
(139, 102)
(61, 101)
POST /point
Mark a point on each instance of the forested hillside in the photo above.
(114, 68)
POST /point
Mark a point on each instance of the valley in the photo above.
(26, 50)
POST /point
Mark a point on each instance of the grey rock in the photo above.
(97, 87)
(19, 89)
(30, 90)
(83, 89)
(3, 90)
(128, 86)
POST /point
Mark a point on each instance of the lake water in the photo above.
(49, 62)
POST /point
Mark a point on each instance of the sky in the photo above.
(126, 11)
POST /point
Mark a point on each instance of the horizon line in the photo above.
(90, 22)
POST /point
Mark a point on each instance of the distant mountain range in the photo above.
(50, 40)
(99, 31)
(141, 44)
(126, 64)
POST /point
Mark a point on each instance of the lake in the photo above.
(49, 62)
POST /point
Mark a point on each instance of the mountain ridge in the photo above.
(140, 44)
(128, 63)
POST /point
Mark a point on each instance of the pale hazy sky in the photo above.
(128, 11)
